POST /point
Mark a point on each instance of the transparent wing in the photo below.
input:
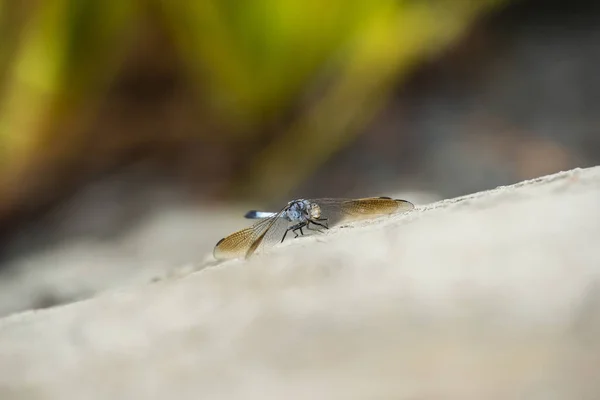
(338, 210)
(245, 242)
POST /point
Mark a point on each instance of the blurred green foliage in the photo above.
(333, 63)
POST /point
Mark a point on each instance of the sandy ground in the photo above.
(494, 295)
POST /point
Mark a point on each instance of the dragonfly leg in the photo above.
(317, 223)
(313, 229)
(326, 220)
(294, 228)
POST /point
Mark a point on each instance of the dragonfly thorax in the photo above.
(302, 210)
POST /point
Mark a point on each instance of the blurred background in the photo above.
(135, 134)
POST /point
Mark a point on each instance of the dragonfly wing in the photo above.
(271, 236)
(374, 206)
(243, 243)
(340, 210)
(235, 245)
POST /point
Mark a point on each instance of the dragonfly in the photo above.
(299, 215)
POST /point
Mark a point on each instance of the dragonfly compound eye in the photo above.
(315, 211)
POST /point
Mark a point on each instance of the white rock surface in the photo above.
(490, 296)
